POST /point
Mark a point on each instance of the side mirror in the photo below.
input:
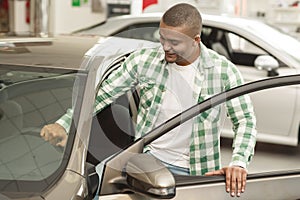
(267, 63)
(147, 175)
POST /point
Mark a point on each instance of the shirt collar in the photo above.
(205, 60)
(161, 55)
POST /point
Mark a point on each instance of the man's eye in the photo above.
(174, 43)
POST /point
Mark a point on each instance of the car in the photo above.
(258, 50)
(101, 160)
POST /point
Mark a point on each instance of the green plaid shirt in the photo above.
(148, 70)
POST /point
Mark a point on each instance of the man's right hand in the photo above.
(55, 134)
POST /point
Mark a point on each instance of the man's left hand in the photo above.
(235, 179)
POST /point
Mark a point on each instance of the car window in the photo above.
(29, 99)
(217, 40)
(234, 47)
(239, 44)
(145, 31)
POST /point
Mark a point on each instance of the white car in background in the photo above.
(259, 51)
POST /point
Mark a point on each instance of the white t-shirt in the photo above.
(173, 147)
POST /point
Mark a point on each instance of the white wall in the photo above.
(66, 18)
(205, 6)
(262, 6)
(20, 14)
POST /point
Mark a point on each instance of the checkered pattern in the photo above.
(148, 70)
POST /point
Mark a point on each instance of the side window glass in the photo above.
(205, 36)
(243, 51)
(145, 31)
(216, 39)
(235, 48)
(240, 45)
(277, 131)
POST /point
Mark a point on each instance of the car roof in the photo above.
(117, 23)
(58, 52)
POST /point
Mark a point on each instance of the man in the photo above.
(172, 78)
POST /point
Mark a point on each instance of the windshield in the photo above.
(283, 42)
(29, 99)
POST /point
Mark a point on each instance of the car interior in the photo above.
(112, 130)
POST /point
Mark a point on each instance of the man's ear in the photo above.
(197, 39)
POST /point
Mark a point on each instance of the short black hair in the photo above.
(184, 14)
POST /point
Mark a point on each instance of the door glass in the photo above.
(277, 146)
(145, 31)
(239, 44)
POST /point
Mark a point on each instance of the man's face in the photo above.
(179, 46)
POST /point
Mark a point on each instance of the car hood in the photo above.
(63, 51)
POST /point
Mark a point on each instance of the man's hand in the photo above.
(55, 134)
(235, 179)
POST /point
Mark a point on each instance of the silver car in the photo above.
(258, 50)
(101, 160)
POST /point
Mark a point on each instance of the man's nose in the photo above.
(167, 46)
